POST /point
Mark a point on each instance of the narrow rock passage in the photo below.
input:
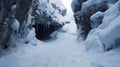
(62, 52)
(65, 51)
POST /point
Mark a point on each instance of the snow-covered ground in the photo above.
(71, 27)
(65, 51)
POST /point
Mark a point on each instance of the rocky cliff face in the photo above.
(84, 10)
(47, 16)
(13, 17)
(98, 22)
(18, 17)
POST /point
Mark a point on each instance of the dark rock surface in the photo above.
(10, 10)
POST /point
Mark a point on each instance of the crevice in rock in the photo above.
(43, 31)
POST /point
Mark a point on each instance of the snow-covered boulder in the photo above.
(96, 19)
(57, 4)
(110, 15)
(104, 39)
(107, 33)
(83, 10)
(82, 17)
(98, 23)
(110, 36)
(98, 46)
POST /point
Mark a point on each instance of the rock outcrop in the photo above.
(12, 13)
(84, 10)
(19, 17)
(47, 17)
(98, 22)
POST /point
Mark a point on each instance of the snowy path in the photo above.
(64, 52)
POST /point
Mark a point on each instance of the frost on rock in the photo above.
(57, 4)
(82, 16)
(13, 16)
(47, 17)
(110, 36)
(110, 15)
(97, 23)
(85, 11)
(15, 25)
(96, 19)
(75, 4)
(108, 32)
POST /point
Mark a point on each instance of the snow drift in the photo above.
(103, 33)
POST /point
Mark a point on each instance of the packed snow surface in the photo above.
(64, 52)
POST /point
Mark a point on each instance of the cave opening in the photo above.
(44, 31)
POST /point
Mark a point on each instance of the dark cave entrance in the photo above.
(43, 31)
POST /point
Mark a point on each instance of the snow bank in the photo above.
(110, 15)
(111, 34)
(106, 36)
(88, 3)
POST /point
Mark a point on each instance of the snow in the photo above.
(65, 51)
(93, 44)
(87, 4)
(67, 4)
(15, 25)
(106, 36)
(112, 29)
(96, 19)
(29, 19)
(71, 27)
(110, 15)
